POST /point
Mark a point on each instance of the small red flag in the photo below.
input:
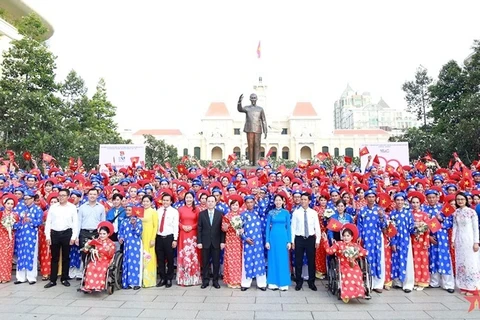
(134, 161)
(334, 225)
(182, 169)
(262, 162)
(184, 158)
(420, 166)
(376, 161)
(269, 153)
(282, 169)
(79, 162)
(391, 230)
(27, 156)
(47, 158)
(138, 212)
(448, 209)
(364, 151)
(321, 156)
(348, 159)
(3, 169)
(390, 169)
(231, 158)
(384, 200)
(434, 225)
(253, 182)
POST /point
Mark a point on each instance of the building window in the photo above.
(262, 152)
(285, 153)
(284, 131)
(349, 152)
(196, 152)
(336, 152)
(217, 153)
(236, 131)
(324, 149)
(185, 152)
(305, 153)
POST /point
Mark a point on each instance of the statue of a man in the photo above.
(255, 124)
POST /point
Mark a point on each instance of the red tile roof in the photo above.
(304, 109)
(217, 109)
(360, 131)
(159, 132)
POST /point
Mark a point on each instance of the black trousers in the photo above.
(303, 245)
(83, 238)
(207, 254)
(164, 251)
(60, 242)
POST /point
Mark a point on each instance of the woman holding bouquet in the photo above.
(348, 250)
(420, 243)
(278, 244)
(8, 218)
(232, 258)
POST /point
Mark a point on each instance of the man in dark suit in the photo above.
(211, 239)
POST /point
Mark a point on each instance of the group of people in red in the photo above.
(416, 226)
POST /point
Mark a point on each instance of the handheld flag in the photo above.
(364, 151)
(138, 212)
(391, 230)
(27, 156)
(434, 225)
(448, 209)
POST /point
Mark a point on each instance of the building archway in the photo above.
(305, 153)
(285, 153)
(236, 150)
(349, 152)
(217, 153)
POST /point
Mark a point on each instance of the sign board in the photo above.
(393, 153)
(119, 155)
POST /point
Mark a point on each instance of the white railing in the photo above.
(8, 30)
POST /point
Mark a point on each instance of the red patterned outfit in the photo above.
(321, 254)
(420, 244)
(188, 256)
(232, 258)
(96, 274)
(6, 249)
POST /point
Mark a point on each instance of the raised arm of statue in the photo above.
(239, 105)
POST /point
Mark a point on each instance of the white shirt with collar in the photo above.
(298, 225)
(170, 225)
(60, 218)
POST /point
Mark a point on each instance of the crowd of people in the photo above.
(417, 227)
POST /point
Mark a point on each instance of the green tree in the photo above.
(417, 95)
(31, 26)
(159, 152)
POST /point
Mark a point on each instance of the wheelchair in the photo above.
(334, 276)
(113, 277)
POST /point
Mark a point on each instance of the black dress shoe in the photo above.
(298, 287)
(128, 288)
(313, 287)
(161, 283)
(32, 282)
(407, 290)
(50, 284)
(18, 282)
(263, 288)
(451, 290)
(66, 283)
(243, 289)
(136, 288)
(216, 285)
(204, 285)
(168, 284)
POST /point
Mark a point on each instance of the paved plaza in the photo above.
(26, 301)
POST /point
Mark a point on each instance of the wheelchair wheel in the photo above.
(331, 275)
(118, 270)
(110, 289)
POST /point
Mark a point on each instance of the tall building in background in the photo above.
(11, 11)
(357, 111)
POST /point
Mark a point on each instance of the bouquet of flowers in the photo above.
(328, 213)
(351, 253)
(419, 229)
(8, 222)
(236, 223)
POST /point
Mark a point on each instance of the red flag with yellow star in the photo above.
(447, 210)
(364, 151)
(334, 225)
(434, 225)
(138, 212)
(391, 230)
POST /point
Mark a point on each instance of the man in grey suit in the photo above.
(255, 124)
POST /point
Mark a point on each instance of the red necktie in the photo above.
(163, 221)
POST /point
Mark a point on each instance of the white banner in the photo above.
(119, 155)
(393, 153)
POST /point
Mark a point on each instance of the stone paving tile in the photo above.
(204, 314)
(418, 306)
(30, 316)
(147, 298)
(439, 292)
(60, 311)
(149, 305)
(114, 312)
(179, 299)
(294, 293)
(160, 292)
(308, 307)
(393, 315)
(47, 302)
(429, 299)
(13, 308)
(201, 306)
(461, 306)
(255, 307)
(206, 292)
(9, 300)
(39, 295)
(342, 315)
(230, 300)
(174, 314)
(283, 315)
(321, 300)
(475, 314)
(62, 317)
(281, 300)
(98, 303)
(256, 293)
(392, 299)
(360, 305)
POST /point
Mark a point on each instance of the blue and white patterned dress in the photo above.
(132, 251)
(440, 259)
(370, 229)
(26, 237)
(253, 255)
(404, 225)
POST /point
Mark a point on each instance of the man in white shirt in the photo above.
(305, 238)
(166, 241)
(61, 230)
